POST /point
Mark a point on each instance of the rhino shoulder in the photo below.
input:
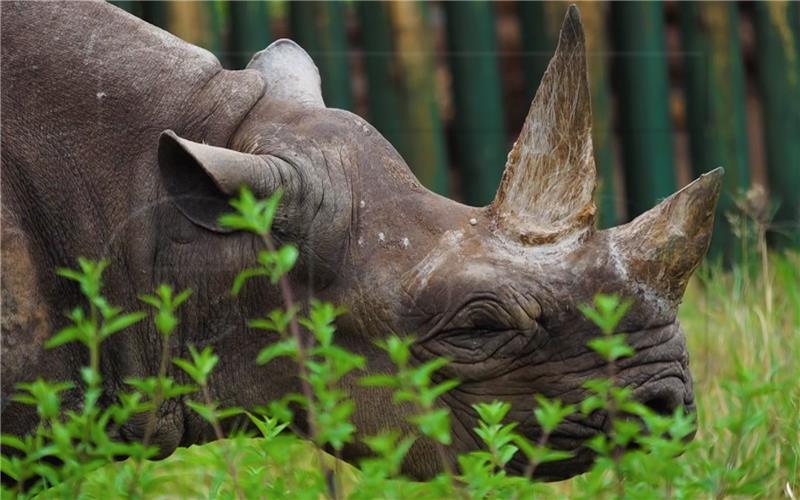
(24, 321)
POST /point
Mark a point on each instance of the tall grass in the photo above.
(743, 329)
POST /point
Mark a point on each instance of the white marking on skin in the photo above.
(360, 241)
(100, 95)
(619, 263)
(646, 293)
(405, 242)
(448, 244)
(381, 237)
(473, 221)
(362, 204)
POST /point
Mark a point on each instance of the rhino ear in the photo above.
(289, 72)
(201, 179)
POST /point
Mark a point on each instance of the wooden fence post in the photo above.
(594, 16)
(154, 13)
(715, 109)
(540, 24)
(384, 93)
(319, 27)
(640, 68)
(778, 45)
(199, 23)
(250, 31)
(401, 80)
(480, 137)
(131, 6)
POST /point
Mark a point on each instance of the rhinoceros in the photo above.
(121, 141)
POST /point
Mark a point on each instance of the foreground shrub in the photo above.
(746, 446)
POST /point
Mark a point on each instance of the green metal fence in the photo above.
(676, 89)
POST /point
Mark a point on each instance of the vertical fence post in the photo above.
(319, 27)
(401, 80)
(640, 67)
(715, 105)
(131, 6)
(480, 138)
(383, 76)
(249, 30)
(196, 22)
(415, 58)
(777, 40)
(594, 15)
(540, 22)
(155, 13)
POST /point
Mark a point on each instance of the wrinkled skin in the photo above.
(90, 168)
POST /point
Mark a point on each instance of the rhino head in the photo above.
(494, 289)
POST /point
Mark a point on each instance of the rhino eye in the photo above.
(473, 339)
(477, 345)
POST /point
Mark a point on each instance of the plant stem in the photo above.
(220, 436)
(531, 468)
(150, 425)
(294, 328)
(159, 394)
(448, 470)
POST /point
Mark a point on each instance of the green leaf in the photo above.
(189, 368)
(66, 335)
(611, 347)
(181, 298)
(13, 442)
(277, 320)
(435, 424)
(165, 322)
(421, 375)
(269, 427)
(120, 323)
(379, 381)
(492, 413)
(398, 349)
(208, 414)
(607, 312)
(235, 221)
(285, 259)
(550, 413)
(245, 275)
(229, 412)
(286, 347)
(201, 366)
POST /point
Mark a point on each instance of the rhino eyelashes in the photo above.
(482, 346)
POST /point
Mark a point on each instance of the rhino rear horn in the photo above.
(289, 72)
(662, 247)
(549, 180)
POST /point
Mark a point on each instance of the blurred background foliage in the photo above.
(678, 88)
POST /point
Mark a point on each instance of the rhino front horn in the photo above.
(663, 246)
(549, 180)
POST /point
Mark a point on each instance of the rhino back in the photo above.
(86, 91)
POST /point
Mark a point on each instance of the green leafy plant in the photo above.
(748, 402)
